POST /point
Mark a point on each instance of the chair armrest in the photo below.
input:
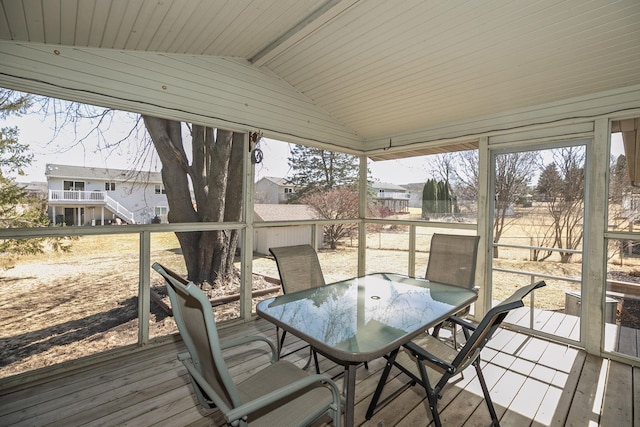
(466, 326)
(234, 415)
(464, 323)
(423, 354)
(243, 410)
(245, 340)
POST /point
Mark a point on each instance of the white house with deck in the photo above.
(95, 196)
(393, 196)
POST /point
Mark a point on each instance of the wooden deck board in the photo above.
(532, 382)
(627, 341)
(617, 405)
(526, 403)
(586, 405)
(547, 410)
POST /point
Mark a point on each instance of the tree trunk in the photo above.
(216, 177)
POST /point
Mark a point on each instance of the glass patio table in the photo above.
(363, 318)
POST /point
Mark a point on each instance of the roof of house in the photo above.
(279, 181)
(275, 212)
(387, 186)
(81, 172)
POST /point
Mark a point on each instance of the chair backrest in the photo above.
(194, 316)
(299, 267)
(452, 259)
(488, 325)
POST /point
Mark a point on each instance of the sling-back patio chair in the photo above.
(299, 269)
(452, 260)
(432, 363)
(280, 394)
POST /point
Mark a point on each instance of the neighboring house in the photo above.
(36, 195)
(264, 238)
(415, 194)
(392, 196)
(35, 189)
(95, 196)
(273, 190)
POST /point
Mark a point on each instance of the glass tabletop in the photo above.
(365, 317)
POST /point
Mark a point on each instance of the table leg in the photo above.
(350, 394)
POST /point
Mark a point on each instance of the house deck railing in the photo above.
(76, 196)
(393, 195)
(92, 197)
(120, 210)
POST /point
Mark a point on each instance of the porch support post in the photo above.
(144, 288)
(485, 247)
(53, 215)
(362, 211)
(594, 266)
(246, 266)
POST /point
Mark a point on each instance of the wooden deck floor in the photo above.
(621, 339)
(533, 383)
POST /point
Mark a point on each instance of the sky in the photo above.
(38, 135)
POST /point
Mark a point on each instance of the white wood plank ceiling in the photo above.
(381, 68)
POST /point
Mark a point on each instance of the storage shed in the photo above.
(289, 235)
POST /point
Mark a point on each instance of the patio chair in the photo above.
(452, 260)
(299, 269)
(281, 394)
(433, 363)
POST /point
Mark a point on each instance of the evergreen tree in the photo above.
(17, 208)
(318, 169)
(549, 181)
(436, 198)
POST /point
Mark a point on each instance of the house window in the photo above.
(288, 190)
(160, 189)
(110, 186)
(73, 185)
(161, 210)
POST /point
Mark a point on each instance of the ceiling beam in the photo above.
(315, 20)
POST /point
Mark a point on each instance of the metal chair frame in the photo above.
(299, 269)
(278, 394)
(434, 365)
(452, 260)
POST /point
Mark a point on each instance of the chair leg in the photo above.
(432, 396)
(312, 353)
(454, 333)
(314, 356)
(315, 359)
(485, 391)
(284, 334)
(381, 383)
(436, 330)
